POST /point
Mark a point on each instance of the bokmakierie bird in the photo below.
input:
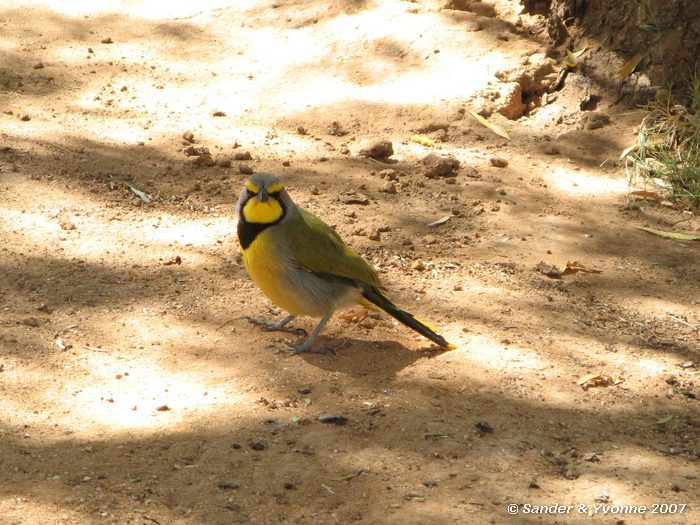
(303, 265)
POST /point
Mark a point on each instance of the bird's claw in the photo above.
(291, 348)
(276, 327)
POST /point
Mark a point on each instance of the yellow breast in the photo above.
(267, 269)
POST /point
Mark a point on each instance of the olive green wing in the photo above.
(319, 249)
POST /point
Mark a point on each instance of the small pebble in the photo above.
(388, 187)
(418, 265)
(334, 420)
(498, 162)
(242, 155)
(258, 445)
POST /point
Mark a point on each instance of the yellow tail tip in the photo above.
(450, 346)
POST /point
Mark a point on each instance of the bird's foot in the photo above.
(279, 326)
(290, 347)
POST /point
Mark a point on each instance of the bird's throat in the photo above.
(259, 212)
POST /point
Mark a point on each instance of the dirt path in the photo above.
(133, 392)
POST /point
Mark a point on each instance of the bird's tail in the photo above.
(377, 298)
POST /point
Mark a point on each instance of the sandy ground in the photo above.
(132, 391)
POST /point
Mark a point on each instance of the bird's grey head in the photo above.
(264, 186)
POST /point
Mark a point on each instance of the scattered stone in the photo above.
(301, 130)
(344, 149)
(188, 136)
(38, 65)
(25, 118)
(336, 129)
(533, 484)
(433, 126)
(472, 173)
(227, 485)
(223, 161)
(474, 6)
(245, 169)
(193, 151)
(382, 149)
(286, 163)
(304, 389)
(388, 174)
(205, 159)
(571, 473)
(551, 149)
(333, 420)
(498, 162)
(388, 187)
(288, 486)
(437, 166)
(355, 198)
(595, 120)
(483, 428)
(375, 235)
(30, 321)
(218, 113)
(501, 191)
(418, 265)
(549, 270)
(163, 408)
(368, 323)
(107, 40)
(429, 483)
(242, 155)
(258, 445)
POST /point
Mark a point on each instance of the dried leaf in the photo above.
(671, 235)
(423, 141)
(628, 150)
(570, 60)
(629, 66)
(645, 195)
(440, 221)
(575, 267)
(663, 183)
(140, 194)
(598, 380)
(497, 129)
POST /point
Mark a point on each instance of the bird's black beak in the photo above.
(263, 196)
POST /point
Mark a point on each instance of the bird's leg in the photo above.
(306, 345)
(279, 326)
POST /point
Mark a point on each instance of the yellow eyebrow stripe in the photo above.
(252, 188)
(277, 186)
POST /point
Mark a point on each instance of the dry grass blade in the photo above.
(678, 236)
(497, 129)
